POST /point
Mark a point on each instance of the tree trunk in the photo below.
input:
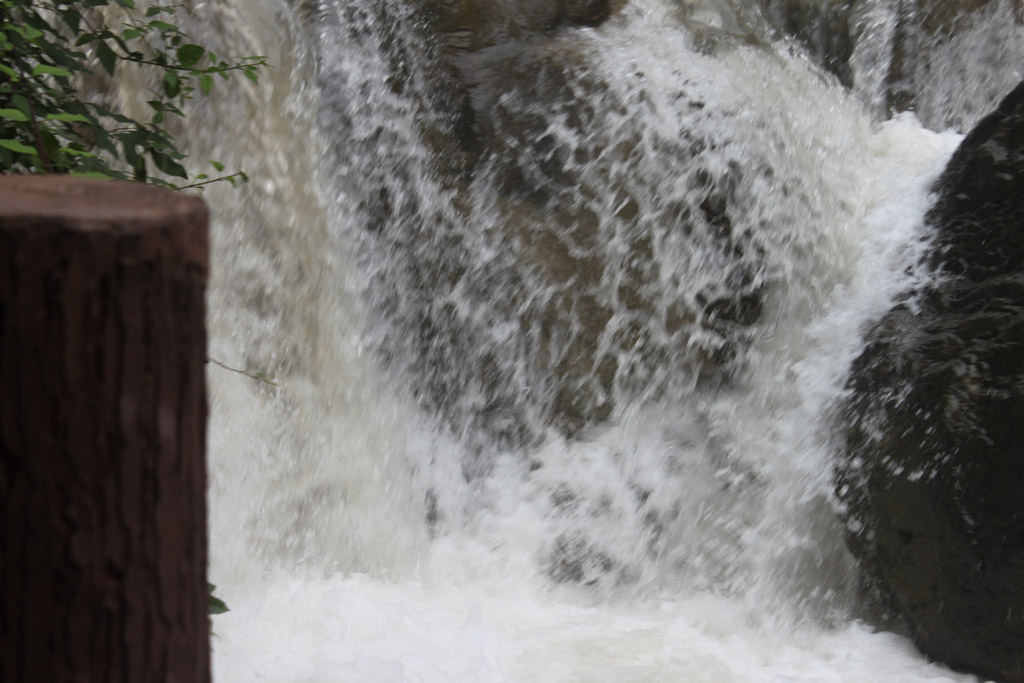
(102, 433)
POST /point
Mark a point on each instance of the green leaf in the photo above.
(152, 11)
(120, 42)
(72, 18)
(68, 118)
(21, 104)
(252, 75)
(107, 57)
(131, 156)
(103, 141)
(189, 55)
(172, 84)
(40, 69)
(11, 73)
(214, 605)
(217, 165)
(130, 33)
(163, 26)
(12, 115)
(16, 146)
(167, 165)
(76, 152)
(206, 83)
(50, 142)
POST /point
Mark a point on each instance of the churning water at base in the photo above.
(481, 605)
(561, 411)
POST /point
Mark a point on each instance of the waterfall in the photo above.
(956, 67)
(555, 329)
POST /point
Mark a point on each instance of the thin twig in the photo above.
(260, 61)
(175, 67)
(207, 182)
(258, 376)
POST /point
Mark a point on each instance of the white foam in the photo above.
(300, 629)
(483, 612)
(708, 550)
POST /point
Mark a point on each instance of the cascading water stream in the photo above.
(552, 403)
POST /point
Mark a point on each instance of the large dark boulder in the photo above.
(932, 478)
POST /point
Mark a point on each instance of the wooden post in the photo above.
(102, 433)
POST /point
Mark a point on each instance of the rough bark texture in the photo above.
(102, 433)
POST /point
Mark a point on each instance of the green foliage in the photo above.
(214, 605)
(47, 49)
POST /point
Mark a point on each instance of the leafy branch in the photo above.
(46, 126)
(48, 46)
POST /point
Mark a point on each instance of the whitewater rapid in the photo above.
(346, 535)
(474, 608)
(363, 630)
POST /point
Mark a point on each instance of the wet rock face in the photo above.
(822, 26)
(477, 24)
(933, 472)
(557, 195)
(479, 37)
(949, 61)
(584, 232)
(942, 16)
(607, 234)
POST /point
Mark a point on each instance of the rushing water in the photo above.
(522, 430)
